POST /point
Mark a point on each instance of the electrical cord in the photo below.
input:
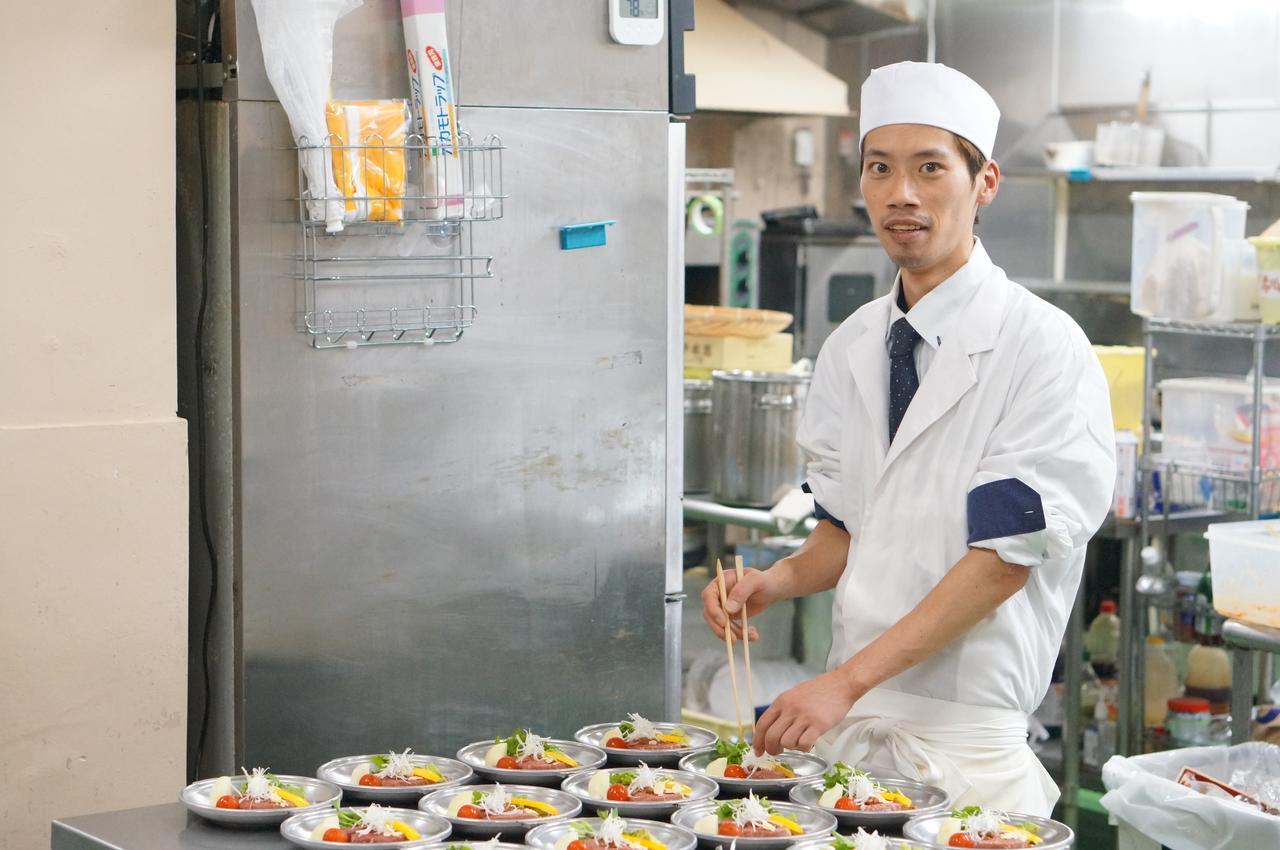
(200, 436)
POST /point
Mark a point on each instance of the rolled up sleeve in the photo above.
(1046, 480)
(819, 437)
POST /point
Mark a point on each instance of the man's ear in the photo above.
(988, 183)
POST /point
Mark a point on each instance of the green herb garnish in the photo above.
(516, 740)
(622, 777)
(379, 762)
(292, 789)
(839, 842)
(346, 817)
(966, 812)
(626, 727)
(477, 798)
(726, 810)
(731, 752)
(582, 829)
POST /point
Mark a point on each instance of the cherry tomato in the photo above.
(577, 844)
(336, 835)
(961, 840)
(371, 780)
(847, 804)
(728, 827)
(616, 744)
(472, 812)
(228, 801)
(508, 763)
(735, 771)
(618, 793)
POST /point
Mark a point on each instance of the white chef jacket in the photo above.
(1008, 444)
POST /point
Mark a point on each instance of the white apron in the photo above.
(978, 755)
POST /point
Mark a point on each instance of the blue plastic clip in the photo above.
(1083, 174)
(587, 235)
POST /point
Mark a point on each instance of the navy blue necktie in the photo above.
(903, 380)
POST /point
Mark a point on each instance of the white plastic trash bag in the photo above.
(1142, 793)
(297, 50)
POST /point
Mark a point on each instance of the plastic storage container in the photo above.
(1161, 684)
(1208, 420)
(1245, 560)
(1185, 255)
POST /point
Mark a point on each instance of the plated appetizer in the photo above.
(396, 770)
(641, 784)
(609, 833)
(975, 826)
(861, 840)
(850, 789)
(641, 734)
(737, 760)
(261, 790)
(750, 817)
(498, 804)
(525, 750)
(371, 825)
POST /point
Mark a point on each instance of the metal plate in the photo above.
(339, 770)
(813, 821)
(699, 738)
(587, 757)
(928, 800)
(196, 798)
(475, 845)
(805, 765)
(1057, 836)
(703, 788)
(432, 828)
(825, 843)
(674, 837)
(437, 803)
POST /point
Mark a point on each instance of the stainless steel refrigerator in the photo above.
(428, 545)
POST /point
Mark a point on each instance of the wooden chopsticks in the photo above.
(728, 646)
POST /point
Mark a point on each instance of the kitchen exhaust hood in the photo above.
(741, 67)
(836, 18)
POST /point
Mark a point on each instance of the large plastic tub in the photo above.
(1186, 249)
(1209, 420)
(1244, 558)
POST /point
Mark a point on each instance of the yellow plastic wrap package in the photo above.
(1123, 366)
(367, 137)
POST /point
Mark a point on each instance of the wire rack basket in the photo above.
(1187, 486)
(388, 251)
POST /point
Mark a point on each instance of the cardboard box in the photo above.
(705, 354)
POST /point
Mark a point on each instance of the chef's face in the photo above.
(921, 196)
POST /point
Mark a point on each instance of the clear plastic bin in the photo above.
(1208, 420)
(1244, 558)
(1186, 253)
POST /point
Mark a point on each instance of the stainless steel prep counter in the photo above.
(164, 827)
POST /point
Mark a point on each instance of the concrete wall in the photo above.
(93, 525)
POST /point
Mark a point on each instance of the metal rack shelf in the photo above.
(388, 252)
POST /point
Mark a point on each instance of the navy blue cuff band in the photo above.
(821, 513)
(1004, 508)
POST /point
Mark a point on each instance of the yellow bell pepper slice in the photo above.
(404, 829)
(672, 738)
(428, 774)
(536, 805)
(1018, 832)
(896, 797)
(792, 827)
(291, 798)
(786, 771)
(646, 843)
(556, 755)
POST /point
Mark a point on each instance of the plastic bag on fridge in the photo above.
(367, 141)
(297, 50)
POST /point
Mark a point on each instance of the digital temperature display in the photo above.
(638, 8)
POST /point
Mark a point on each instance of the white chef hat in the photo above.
(929, 93)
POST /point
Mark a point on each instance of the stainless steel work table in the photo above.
(165, 827)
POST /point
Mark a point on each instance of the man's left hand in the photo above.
(800, 716)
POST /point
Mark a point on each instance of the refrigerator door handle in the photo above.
(674, 656)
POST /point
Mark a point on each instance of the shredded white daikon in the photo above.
(861, 788)
(869, 841)
(257, 786)
(986, 822)
(375, 819)
(750, 812)
(496, 801)
(611, 829)
(533, 745)
(399, 765)
(643, 728)
(751, 761)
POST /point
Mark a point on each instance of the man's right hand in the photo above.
(757, 591)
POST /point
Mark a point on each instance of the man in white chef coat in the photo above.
(961, 454)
